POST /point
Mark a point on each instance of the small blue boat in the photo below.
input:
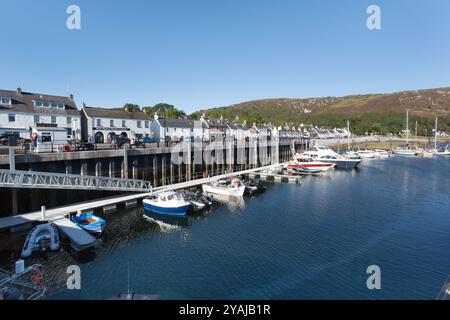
(90, 222)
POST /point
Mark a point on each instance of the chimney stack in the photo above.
(71, 97)
(19, 91)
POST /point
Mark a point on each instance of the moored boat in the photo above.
(89, 222)
(227, 187)
(325, 154)
(304, 162)
(169, 202)
(41, 238)
(405, 152)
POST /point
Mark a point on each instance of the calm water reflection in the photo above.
(313, 240)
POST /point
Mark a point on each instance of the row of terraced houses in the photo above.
(58, 119)
(22, 113)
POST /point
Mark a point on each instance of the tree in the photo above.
(130, 107)
(164, 110)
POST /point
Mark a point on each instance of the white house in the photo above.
(20, 112)
(99, 125)
(238, 130)
(178, 129)
(217, 128)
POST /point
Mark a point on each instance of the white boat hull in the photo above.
(235, 191)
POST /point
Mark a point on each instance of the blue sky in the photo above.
(206, 53)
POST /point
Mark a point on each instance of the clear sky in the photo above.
(207, 53)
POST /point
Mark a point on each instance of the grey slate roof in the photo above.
(114, 113)
(176, 123)
(24, 102)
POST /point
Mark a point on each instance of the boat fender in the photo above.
(37, 277)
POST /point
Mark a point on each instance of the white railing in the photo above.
(47, 180)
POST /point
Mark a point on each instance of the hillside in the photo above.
(381, 113)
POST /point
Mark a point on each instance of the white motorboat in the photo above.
(383, 153)
(325, 154)
(306, 164)
(169, 202)
(42, 237)
(227, 187)
(368, 154)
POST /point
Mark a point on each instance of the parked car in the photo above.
(121, 141)
(8, 138)
(84, 145)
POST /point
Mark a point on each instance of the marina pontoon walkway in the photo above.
(48, 180)
(55, 213)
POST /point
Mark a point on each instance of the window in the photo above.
(111, 123)
(4, 100)
(49, 104)
(37, 119)
(124, 124)
(12, 117)
(146, 124)
(139, 124)
(53, 119)
(46, 137)
(69, 120)
(99, 122)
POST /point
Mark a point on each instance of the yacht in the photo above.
(169, 202)
(305, 163)
(325, 154)
(444, 151)
(227, 187)
(405, 150)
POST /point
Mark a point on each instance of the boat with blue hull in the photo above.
(325, 154)
(169, 203)
(89, 222)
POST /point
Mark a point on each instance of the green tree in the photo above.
(130, 107)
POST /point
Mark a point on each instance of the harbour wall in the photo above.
(150, 164)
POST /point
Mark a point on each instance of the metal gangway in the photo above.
(50, 180)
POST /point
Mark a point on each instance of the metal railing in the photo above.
(47, 180)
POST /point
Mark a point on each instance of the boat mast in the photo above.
(416, 134)
(348, 135)
(407, 127)
(435, 133)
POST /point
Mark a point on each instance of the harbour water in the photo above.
(308, 241)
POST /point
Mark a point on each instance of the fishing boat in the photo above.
(41, 238)
(227, 187)
(89, 222)
(169, 202)
(325, 154)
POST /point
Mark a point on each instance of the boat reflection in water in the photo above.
(234, 203)
(167, 221)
